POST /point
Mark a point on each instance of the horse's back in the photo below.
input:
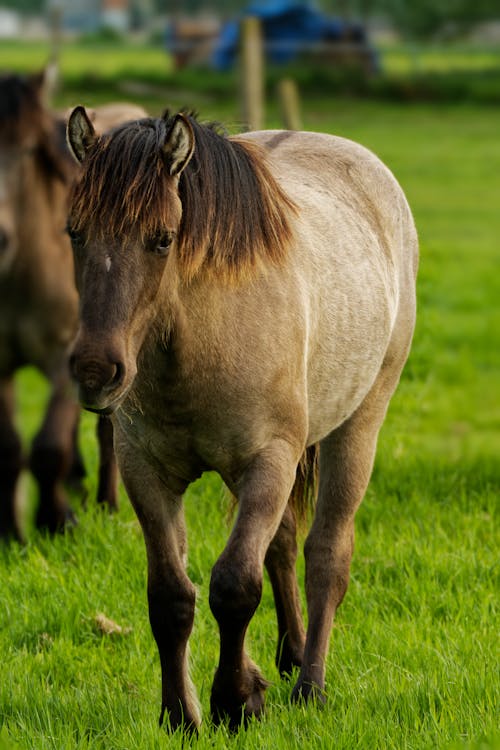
(335, 174)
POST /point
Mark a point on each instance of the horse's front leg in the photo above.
(171, 595)
(11, 462)
(236, 584)
(52, 454)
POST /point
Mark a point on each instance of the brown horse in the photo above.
(38, 299)
(242, 299)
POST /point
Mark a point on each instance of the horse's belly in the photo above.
(344, 363)
(332, 402)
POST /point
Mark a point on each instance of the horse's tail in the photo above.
(304, 491)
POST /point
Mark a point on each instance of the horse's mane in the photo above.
(23, 117)
(17, 100)
(235, 215)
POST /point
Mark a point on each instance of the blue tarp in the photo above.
(288, 28)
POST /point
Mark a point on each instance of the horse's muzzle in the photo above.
(100, 377)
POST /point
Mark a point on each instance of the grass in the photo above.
(414, 656)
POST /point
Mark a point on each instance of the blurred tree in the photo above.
(434, 18)
(34, 7)
(222, 7)
(417, 19)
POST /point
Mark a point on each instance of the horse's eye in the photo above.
(160, 244)
(75, 237)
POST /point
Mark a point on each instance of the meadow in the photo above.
(413, 661)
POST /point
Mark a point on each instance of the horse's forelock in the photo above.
(120, 190)
(235, 216)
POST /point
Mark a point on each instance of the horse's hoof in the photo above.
(183, 720)
(238, 707)
(308, 692)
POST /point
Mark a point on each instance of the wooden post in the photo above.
(252, 72)
(290, 104)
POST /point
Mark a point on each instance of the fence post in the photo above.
(290, 104)
(252, 72)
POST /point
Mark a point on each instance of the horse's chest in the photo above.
(191, 426)
(165, 442)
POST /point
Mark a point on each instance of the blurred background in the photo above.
(431, 50)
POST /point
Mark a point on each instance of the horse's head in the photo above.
(27, 132)
(124, 218)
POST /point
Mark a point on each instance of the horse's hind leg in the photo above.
(11, 462)
(76, 473)
(280, 563)
(51, 456)
(107, 486)
(345, 461)
(107, 489)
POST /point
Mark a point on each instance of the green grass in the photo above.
(414, 656)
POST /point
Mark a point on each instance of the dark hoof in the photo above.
(238, 707)
(179, 720)
(308, 692)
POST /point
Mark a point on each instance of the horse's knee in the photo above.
(234, 593)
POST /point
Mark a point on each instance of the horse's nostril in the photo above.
(4, 240)
(118, 375)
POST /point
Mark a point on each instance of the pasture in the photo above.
(413, 661)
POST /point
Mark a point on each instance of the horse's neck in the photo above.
(41, 209)
(43, 266)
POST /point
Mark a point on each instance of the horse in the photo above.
(39, 302)
(247, 304)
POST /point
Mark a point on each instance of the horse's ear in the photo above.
(179, 145)
(80, 133)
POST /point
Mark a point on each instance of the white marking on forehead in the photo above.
(107, 263)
